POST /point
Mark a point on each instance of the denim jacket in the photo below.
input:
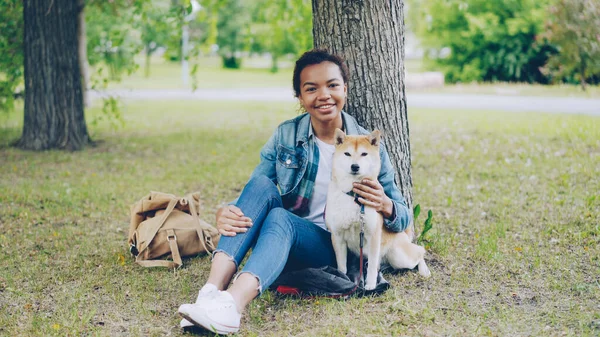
(284, 159)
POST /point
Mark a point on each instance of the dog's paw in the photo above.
(423, 269)
(370, 286)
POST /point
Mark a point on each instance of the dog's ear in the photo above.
(339, 136)
(375, 137)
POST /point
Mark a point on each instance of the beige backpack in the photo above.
(163, 224)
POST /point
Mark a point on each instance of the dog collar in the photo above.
(355, 196)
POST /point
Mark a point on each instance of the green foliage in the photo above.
(427, 225)
(485, 40)
(11, 51)
(202, 29)
(111, 42)
(281, 27)
(574, 26)
(155, 24)
(233, 35)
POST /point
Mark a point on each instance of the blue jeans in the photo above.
(280, 240)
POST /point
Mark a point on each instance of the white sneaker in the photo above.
(208, 291)
(218, 314)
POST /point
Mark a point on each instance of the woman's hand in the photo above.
(231, 220)
(372, 194)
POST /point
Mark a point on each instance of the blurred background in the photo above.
(509, 47)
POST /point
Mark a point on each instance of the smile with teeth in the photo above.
(326, 106)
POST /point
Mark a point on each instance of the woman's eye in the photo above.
(333, 85)
(347, 154)
(363, 154)
(310, 89)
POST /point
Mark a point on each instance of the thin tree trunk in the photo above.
(54, 116)
(274, 63)
(582, 70)
(370, 36)
(83, 60)
(147, 62)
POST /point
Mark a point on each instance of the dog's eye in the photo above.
(347, 154)
(364, 154)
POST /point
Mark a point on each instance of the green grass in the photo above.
(518, 89)
(255, 73)
(514, 249)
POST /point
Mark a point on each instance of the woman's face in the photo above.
(322, 91)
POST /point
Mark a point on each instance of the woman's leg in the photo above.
(284, 237)
(259, 197)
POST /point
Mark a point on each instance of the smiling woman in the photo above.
(280, 212)
(322, 93)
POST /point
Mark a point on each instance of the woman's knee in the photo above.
(278, 220)
(263, 185)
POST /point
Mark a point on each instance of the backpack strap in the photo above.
(165, 215)
(176, 263)
(205, 240)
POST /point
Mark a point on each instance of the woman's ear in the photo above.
(301, 103)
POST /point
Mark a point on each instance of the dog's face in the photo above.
(357, 156)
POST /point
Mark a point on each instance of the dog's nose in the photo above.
(354, 167)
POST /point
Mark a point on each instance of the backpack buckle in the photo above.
(133, 250)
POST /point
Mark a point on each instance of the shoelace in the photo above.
(223, 302)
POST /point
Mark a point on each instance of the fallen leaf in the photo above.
(55, 326)
(518, 249)
(121, 260)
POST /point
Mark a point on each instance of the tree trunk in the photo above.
(582, 66)
(370, 36)
(83, 60)
(147, 62)
(54, 117)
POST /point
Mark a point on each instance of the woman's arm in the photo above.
(401, 216)
(384, 196)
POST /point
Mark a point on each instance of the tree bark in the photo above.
(83, 60)
(370, 36)
(54, 116)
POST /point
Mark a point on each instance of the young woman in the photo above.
(279, 214)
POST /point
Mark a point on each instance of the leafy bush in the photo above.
(11, 51)
(481, 40)
(574, 27)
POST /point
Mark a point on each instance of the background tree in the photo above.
(370, 35)
(280, 27)
(53, 92)
(11, 51)
(232, 26)
(574, 27)
(155, 24)
(480, 40)
(112, 43)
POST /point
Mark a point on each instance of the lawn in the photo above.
(514, 250)
(255, 73)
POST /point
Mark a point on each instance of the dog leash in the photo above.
(289, 290)
(362, 220)
(362, 237)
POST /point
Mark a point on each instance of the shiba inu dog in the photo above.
(356, 158)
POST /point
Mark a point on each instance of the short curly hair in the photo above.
(317, 56)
